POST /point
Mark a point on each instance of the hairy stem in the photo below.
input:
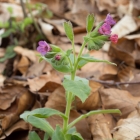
(70, 95)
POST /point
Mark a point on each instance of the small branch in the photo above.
(23, 8)
(92, 113)
(112, 83)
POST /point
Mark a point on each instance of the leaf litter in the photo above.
(27, 84)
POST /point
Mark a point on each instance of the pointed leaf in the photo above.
(41, 124)
(90, 22)
(92, 59)
(69, 30)
(42, 113)
(58, 134)
(79, 88)
(33, 136)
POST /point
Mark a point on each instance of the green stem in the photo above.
(74, 51)
(70, 95)
(91, 113)
(35, 24)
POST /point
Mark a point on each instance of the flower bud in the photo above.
(114, 38)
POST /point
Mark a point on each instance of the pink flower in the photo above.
(105, 29)
(109, 20)
(114, 38)
(43, 47)
(57, 57)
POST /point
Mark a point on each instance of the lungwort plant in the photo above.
(68, 62)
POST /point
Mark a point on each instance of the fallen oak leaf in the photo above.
(128, 128)
(101, 125)
(121, 99)
(23, 100)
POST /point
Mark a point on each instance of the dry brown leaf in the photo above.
(26, 52)
(128, 128)
(108, 5)
(36, 69)
(101, 125)
(121, 55)
(93, 101)
(118, 99)
(79, 12)
(11, 108)
(23, 65)
(134, 89)
(20, 125)
(42, 81)
(94, 69)
(122, 29)
(48, 29)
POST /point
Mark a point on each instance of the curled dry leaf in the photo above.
(122, 55)
(118, 99)
(128, 128)
(14, 101)
(26, 52)
(20, 125)
(122, 29)
(48, 29)
(101, 125)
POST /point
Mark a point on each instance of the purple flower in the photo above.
(109, 20)
(114, 38)
(57, 57)
(43, 47)
(105, 29)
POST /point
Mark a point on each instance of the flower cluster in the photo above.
(105, 29)
(44, 49)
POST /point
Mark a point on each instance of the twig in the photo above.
(112, 83)
(23, 8)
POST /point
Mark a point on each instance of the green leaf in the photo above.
(82, 62)
(65, 68)
(33, 136)
(58, 134)
(78, 87)
(8, 54)
(10, 10)
(90, 22)
(26, 22)
(42, 113)
(96, 43)
(68, 52)
(92, 59)
(7, 33)
(69, 30)
(46, 136)
(4, 25)
(55, 48)
(73, 135)
(41, 124)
